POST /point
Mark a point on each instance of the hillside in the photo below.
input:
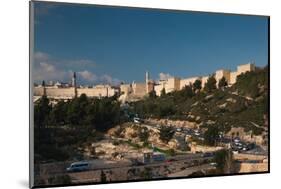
(244, 104)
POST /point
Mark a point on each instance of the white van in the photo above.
(78, 166)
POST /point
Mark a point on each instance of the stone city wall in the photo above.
(139, 89)
(233, 76)
(222, 73)
(188, 81)
(55, 92)
(173, 84)
(70, 92)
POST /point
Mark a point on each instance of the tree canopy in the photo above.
(211, 84)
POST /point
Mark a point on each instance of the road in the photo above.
(258, 150)
(191, 170)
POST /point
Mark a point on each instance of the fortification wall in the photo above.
(96, 92)
(204, 80)
(233, 76)
(125, 88)
(38, 91)
(173, 84)
(187, 81)
(245, 68)
(158, 89)
(139, 89)
(222, 73)
(55, 92)
(70, 92)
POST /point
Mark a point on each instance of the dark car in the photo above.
(208, 154)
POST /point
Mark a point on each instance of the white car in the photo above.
(78, 166)
(136, 120)
(237, 140)
(213, 164)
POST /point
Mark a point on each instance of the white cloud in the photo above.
(49, 72)
(41, 56)
(164, 76)
(107, 79)
(49, 69)
(88, 76)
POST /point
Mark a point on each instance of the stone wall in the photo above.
(250, 167)
(55, 92)
(233, 76)
(125, 88)
(222, 73)
(245, 68)
(70, 92)
(177, 123)
(188, 81)
(139, 89)
(204, 80)
(199, 148)
(173, 84)
(159, 88)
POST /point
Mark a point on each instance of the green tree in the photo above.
(59, 113)
(143, 134)
(222, 83)
(197, 85)
(210, 84)
(224, 159)
(166, 133)
(187, 91)
(76, 112)
(103, 177)
(152, 94)
(41, 112)
(147, 173)
(211, 136)
(163, 92)
(165, 108)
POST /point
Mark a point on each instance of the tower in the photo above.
(74, 84)
(44, 88)
(146, 81)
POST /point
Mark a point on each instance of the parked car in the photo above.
(208, 154)
(78, 166)
(138, 120)
(236, 140)
(213, 164)
(251, 146)
(179, 129)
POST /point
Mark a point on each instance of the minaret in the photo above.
(146, 80)
(74, 84)
(44, 88)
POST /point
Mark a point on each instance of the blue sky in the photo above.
(109, 45)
